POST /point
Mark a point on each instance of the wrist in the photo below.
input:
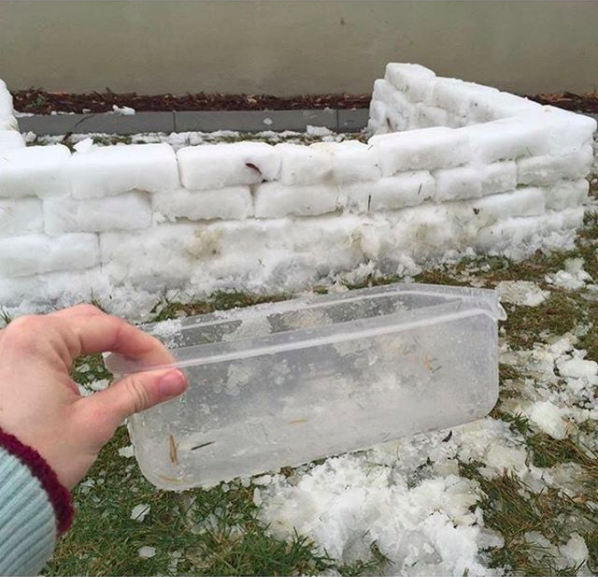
(58, 495)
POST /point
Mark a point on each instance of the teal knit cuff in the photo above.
(28, 527)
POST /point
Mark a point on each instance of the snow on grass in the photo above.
(181, 139)
(146, 552)
(573, 277)
(525, 293)
(140, 512)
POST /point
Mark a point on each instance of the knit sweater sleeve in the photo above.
(34, 508)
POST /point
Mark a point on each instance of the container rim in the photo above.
(473, 302)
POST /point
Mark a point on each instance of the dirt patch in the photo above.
(39, 101)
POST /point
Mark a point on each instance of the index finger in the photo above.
(104, 333)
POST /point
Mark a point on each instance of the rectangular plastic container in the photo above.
(286, 383)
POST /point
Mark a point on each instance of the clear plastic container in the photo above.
(286, 383)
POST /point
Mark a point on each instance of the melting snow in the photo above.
(140, 512)
(146, 552)
(573, 277)
(521, 292)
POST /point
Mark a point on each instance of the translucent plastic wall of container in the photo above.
(286, 383)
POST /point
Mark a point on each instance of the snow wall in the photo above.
(452, 168)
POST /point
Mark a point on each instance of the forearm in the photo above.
(34, 509)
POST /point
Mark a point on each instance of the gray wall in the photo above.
(295, 46)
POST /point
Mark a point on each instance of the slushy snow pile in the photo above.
(451, 169)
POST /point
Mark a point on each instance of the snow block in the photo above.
(303, 165)
(420, 232)
(396, 121)
(37, 254)
(518, 232)
(383, 92)
(459, 97)
(8, 123)
(274, 200)
(211, 166)
(522, 202)
(499, 177)
(6, 108)
(20, 217)
(377, 121)
(428, 148)
(566, 194)
(550, 168)
(429, 116)
(233, 203)
(565, 130)
(59, 288)
(352, 161)
(128, 211)
(160, 256)
(111, 170)
(402, 107)
(496, 105)
(395, 192)
(458, 183)
(10, 139)
(34, 171)
(414, 80)
(506, 139)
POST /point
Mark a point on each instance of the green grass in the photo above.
(105, 541)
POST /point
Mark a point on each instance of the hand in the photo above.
(39, 402)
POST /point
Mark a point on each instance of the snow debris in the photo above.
(549, 418)
(573, 277)
(146, 552)
(140, 512)
(127, 452)
(523, 293)
(84, 146)
(501, 459)
(84, 391)
(575, 551)
(175, 558)
(99, 385)
(348, 502)
(86, 486)
(577, 368)
(318, 131)
(123, 110)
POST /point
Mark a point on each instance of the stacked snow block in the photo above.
(452, 168)
(9, 134)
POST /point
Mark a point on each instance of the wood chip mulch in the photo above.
(39, 101)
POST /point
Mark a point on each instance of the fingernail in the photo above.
(172, 384)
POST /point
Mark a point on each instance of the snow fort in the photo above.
(451, 168)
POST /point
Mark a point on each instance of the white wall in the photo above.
(294, 46)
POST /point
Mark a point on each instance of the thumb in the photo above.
(136, 393)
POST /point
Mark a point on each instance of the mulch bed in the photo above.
(587, 103)
(41, 102)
